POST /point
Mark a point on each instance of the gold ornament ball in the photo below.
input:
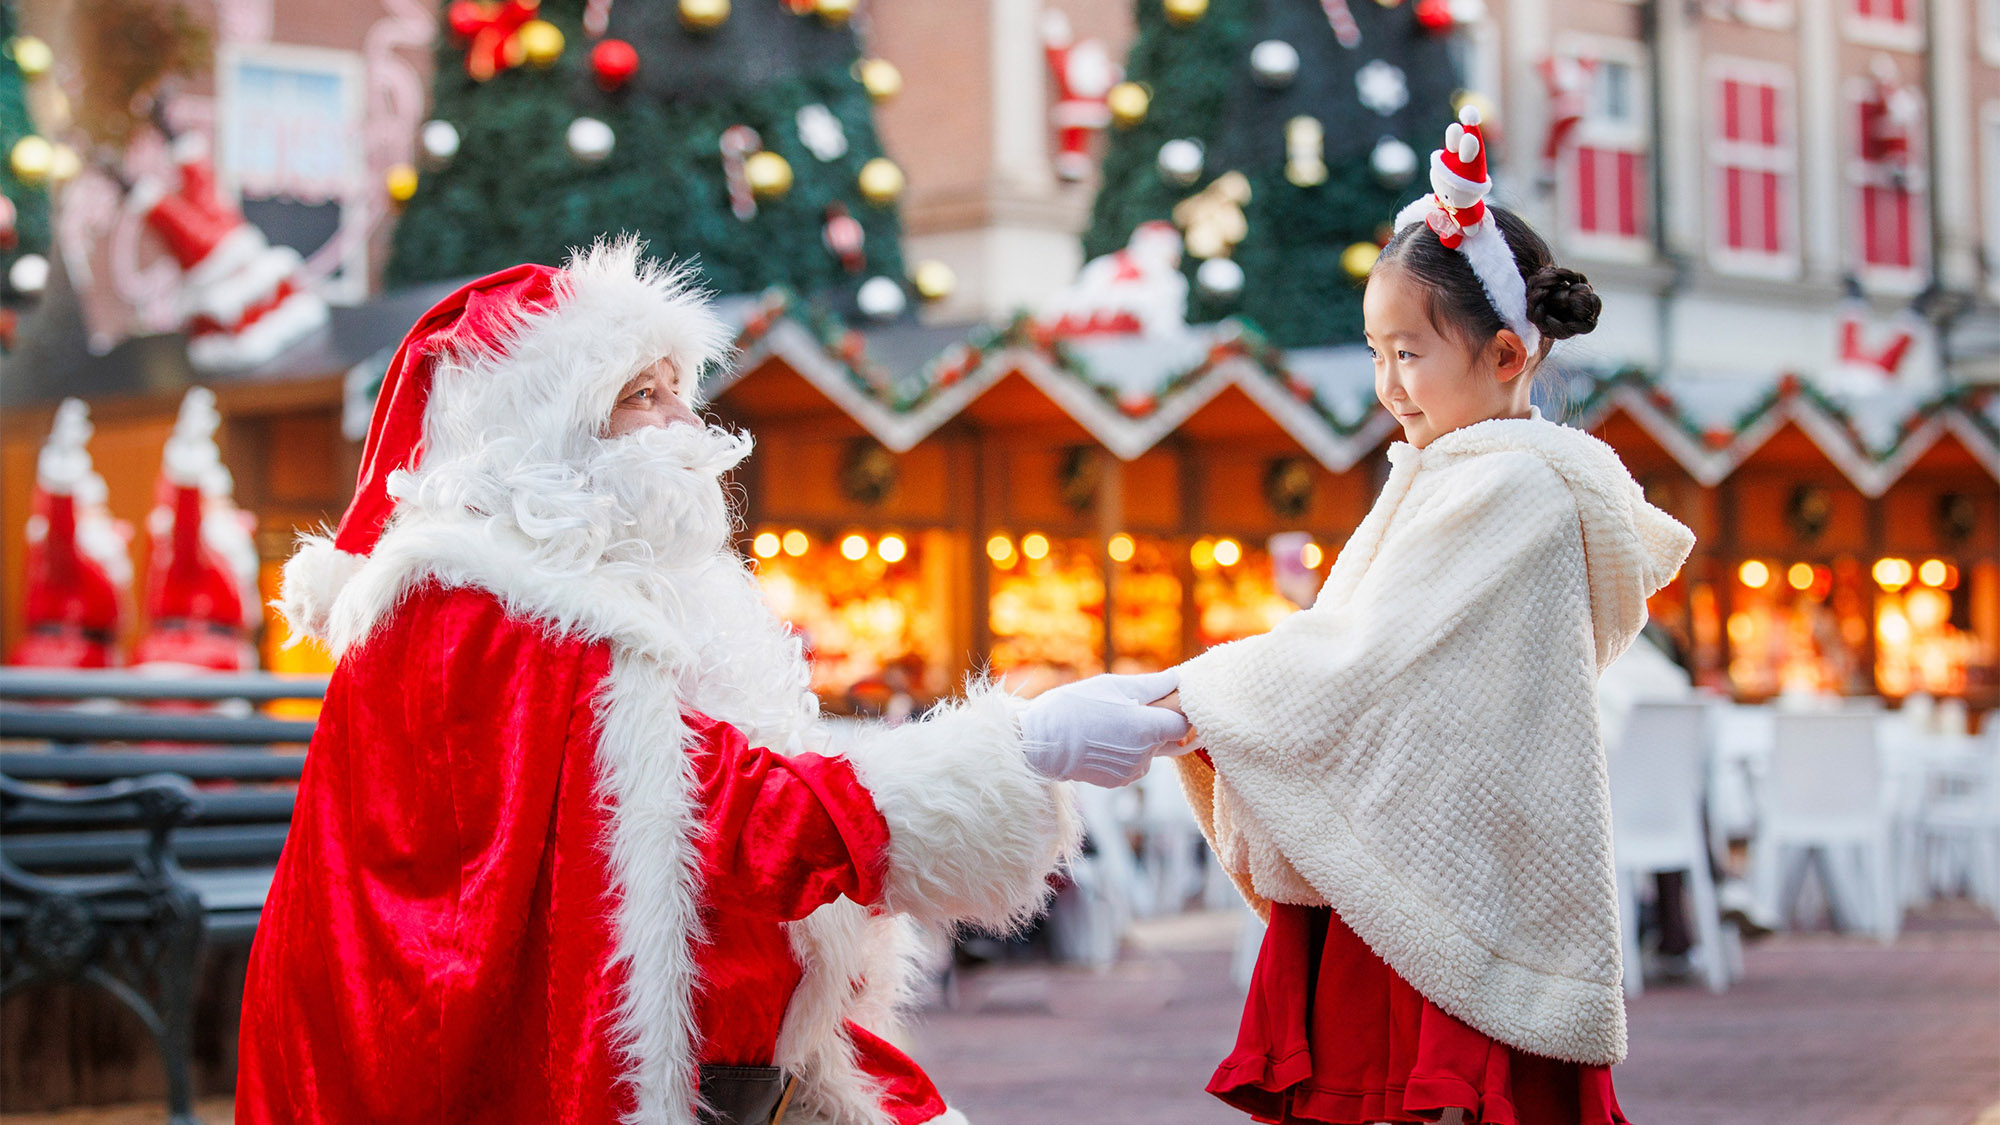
(541, 43)
(64, 164)
(1128, 102)
(1478, 101)
(881, 182)
(1359, 258)
(933, 280)
(401, 180)
(703, 15)
(32, 159)
(32, 56)
(834, 11)
(770, 175)
(1184, 12)
(880, 78)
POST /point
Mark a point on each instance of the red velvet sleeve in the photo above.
(786, 835)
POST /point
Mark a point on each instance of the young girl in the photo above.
(1407, 777)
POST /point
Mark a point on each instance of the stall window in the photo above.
(1146, 621)
(1241, 590)
(1923, 636)
(1798, 627)
(870, 607)
(1047, 609)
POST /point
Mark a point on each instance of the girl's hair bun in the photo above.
(1561, 303)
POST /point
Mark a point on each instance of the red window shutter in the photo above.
(1773, 231)
(1628, 194)
(1732, 208)
(1767, 102)
(1904, 256)
(1897, 10)
(1586, 189)
(1732, 129)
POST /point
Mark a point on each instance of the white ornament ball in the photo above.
(439, 140)
(880, 298)
(1393, 162)
(589, 140)
(1180, 161)
(1220, 278)
(29, 275)
(1274, 62)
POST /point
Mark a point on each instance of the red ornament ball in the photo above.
(465, 18)
(614, 62)
(1434, 15)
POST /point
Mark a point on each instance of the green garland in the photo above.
(31, 204)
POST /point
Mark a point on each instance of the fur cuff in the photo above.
(973, 831)
(313, 579)
(950, 1116)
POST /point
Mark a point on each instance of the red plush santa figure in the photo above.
(201, 583)
(242, 301)
(1084, 75)
(569, 846)
(79, 567)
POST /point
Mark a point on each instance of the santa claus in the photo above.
(569, 846)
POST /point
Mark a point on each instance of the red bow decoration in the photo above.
(488, 29)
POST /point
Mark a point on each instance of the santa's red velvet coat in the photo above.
(529, 880)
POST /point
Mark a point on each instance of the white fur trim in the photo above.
(973, 830)
(857, 966)
(311, 584)
(236, 249)
(1492, 262)
(1441, 170)
(225, 298)
(264, 339)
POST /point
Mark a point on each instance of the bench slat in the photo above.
(194, 846)
(21, 683)
(62, 725)
(109, 765)
(216, 807)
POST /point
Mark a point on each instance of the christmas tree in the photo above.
(741, 135)
(26, 161)
(1313, 117)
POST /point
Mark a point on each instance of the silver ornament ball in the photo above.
(880, 298)
(1393, 162)
(1274, 62)
(589, 140)
(29, 275)
(439, 140)
(1181, 161)
(1220, 278)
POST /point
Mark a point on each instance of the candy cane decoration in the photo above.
(596, 17)
(1342, 22)
(738, 142)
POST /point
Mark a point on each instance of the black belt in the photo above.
(744, 1095)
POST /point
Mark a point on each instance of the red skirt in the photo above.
(1331, 1034)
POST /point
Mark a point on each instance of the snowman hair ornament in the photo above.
(1456, 210)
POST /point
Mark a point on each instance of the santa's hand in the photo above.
(1101, 730)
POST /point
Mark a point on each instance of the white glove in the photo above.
(1100, 730)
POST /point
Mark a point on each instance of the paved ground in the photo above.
(1824, 1029)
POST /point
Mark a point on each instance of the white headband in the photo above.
(1492, 262)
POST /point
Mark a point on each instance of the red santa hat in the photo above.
(76, 582)
(531, 352)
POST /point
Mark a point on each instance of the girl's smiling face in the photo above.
(1432, 380)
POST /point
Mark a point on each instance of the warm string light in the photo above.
(854, 548)
(1228, 552)
(1121, 548)
(1754, 574)
(1310, 556)
(1035, 545)
(766, 545)
(796, 543)
(1001, 550)
(892, 548)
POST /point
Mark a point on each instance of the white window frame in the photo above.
(1986, 18)
(1907, 35)
(1630, 136)
(1861, 173)
(1782, 159)
(1775, 15)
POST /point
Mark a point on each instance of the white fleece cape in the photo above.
(1420, 749)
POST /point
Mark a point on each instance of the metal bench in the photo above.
(118, 863)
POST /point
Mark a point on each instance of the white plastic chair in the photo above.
(1824, 795)
(1170, 856)
(1656, 799)
(1089, 918)
(1956, 837)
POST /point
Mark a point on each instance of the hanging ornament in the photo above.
(1434, 16)
(1393, 162)
(1220, 279)
(703, 15)
(491, 34)
(1274, 63)
(541, 43)
(439, 140)
(31, 158)
(800, 7)
(613, 62)
(589, 140)
(1389, 3)
(1180, 161)
(1184, 12)
(737, 143)
(880, 78)
(844, 237)
(933, 280)
(1305, 151)
(401, 182)
(9, 233)
(31, 55)
(1465, 12)
(1212, 221)
(821, 132)
(64, 164)
(1128, 102)
(880, 298)
(465, 18)
(29, 275)
(1382, 87)
(834, 12)
(769, 174)
(880, 181)
(1341, 20)
(1359, 258)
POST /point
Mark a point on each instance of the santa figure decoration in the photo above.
(242, 301)
(1567, 81)
(1137, 291)
(571, 846)
(1889, 118)
(79, 574)
(1084, 75)
(201, 584)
